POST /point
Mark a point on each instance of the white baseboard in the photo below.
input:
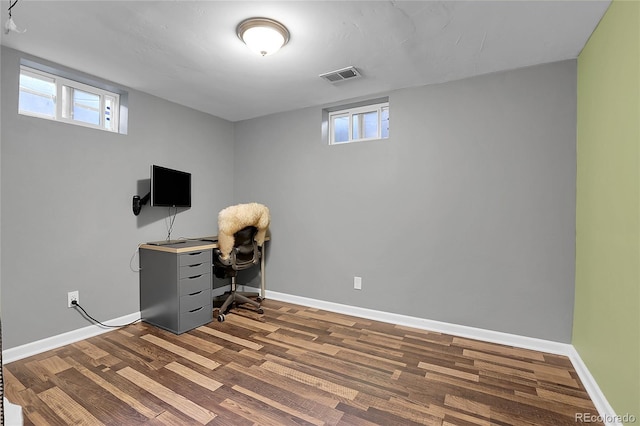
(12, 414)
(53, 342)
(425, 324)
(605, 410)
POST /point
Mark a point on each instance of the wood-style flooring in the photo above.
(294, 366)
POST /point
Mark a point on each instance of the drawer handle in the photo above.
(197, 292)
(195, 266)
(196, 253)
(196, 310)
(195, 276)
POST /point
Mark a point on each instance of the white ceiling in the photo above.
(188, 51)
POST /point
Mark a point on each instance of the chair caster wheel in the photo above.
(221, 318)
(260, 311)
(259, 299)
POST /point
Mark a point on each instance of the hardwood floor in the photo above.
(294, 366)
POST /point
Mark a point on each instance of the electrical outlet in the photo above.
(71, 296)
(357, 283)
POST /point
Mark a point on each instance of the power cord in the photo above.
(171, 221)
(77, 305)
(131, 260)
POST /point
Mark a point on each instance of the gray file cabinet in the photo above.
(175, 286)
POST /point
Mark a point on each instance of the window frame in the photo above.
(63, 100)
(350, 111)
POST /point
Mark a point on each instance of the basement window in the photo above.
(54, 97)
(358, 122)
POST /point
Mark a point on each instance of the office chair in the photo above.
(241, 233)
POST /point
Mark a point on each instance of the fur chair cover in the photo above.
(234, 218)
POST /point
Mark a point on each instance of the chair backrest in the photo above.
(245, 253)
(245, 249)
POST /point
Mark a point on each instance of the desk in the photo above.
(176, 283)
(205, 243)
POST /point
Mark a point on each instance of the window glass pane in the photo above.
(365, 125)
(42, 85)
(371, 124)
(37, 95)
(355, 131)
(341, 129)
(385, 122)
(86, 107)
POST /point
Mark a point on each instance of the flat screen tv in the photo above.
(170, 188)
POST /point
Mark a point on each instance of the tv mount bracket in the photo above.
(139, 202)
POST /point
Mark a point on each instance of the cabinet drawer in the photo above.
(196, 300)
(195, 318)
(195, 270)
(195, 258)
(194, 284)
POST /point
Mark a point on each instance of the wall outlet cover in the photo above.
(71, 296)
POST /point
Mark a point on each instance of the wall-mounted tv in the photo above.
(170, 188)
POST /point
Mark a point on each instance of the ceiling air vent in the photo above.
(343, 74)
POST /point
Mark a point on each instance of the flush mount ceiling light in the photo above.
(263, 35)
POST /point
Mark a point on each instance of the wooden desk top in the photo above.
(185, 246)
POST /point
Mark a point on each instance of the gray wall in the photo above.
(67, 222)
(466, 214)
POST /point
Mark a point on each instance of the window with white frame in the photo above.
(53, 97)
(359, 123)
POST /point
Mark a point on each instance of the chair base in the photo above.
(238, 298)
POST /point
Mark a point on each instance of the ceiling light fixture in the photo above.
(263, 35)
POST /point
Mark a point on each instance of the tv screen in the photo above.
(170, 188)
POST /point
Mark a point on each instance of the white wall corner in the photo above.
(605, 409)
